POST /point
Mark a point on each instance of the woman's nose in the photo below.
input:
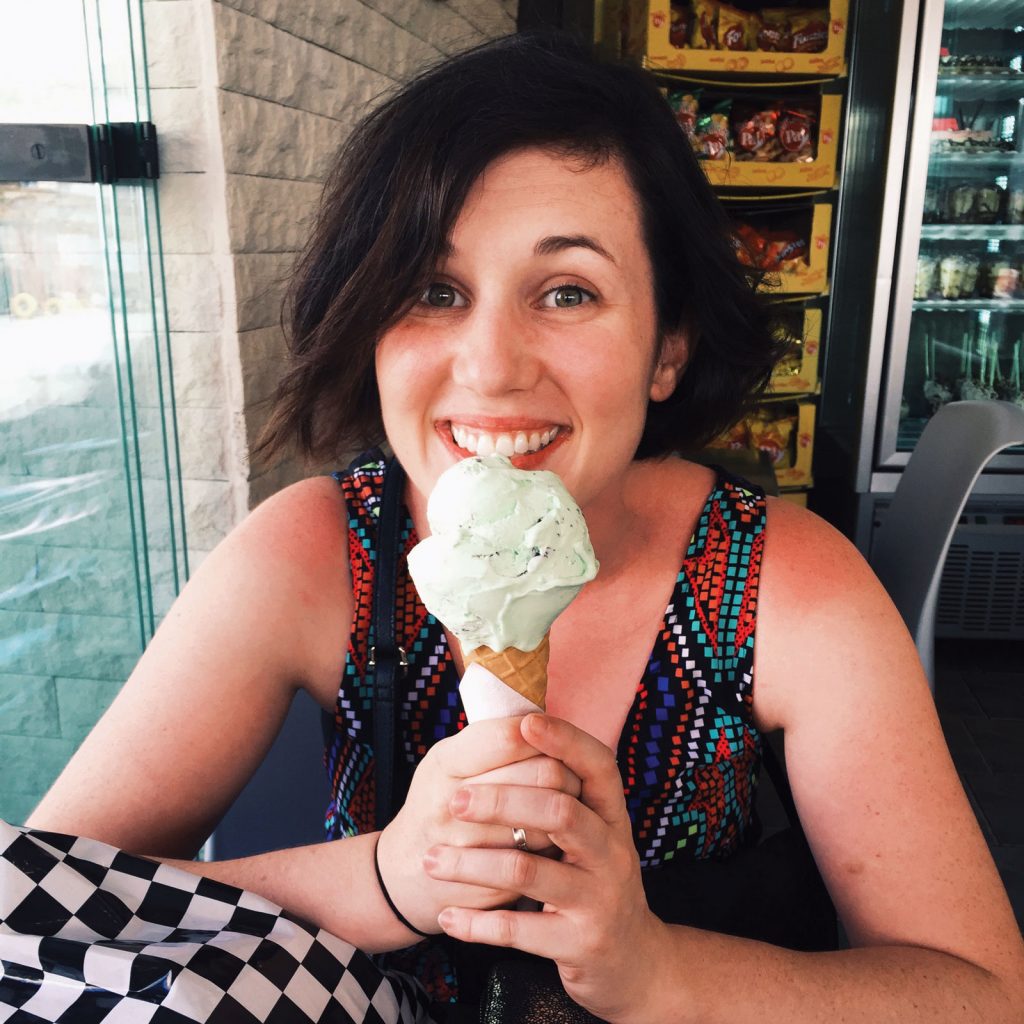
(493, 354)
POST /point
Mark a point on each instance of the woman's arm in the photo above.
(267, 612)
(933, 934)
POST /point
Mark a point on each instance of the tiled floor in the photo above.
(979, 692)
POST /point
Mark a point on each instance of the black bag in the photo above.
(770, 889)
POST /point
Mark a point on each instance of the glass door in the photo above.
(958, 319)
(92, 544)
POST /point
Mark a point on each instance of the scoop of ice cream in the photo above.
(508, 550)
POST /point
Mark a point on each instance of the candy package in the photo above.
(704, 34)
(680, 25)
(772, 431)
(808, 31)
(711, 135)
(796, 135)
(769, 249)
(755, 132)
(773, 33)
(736, 438)
(686, 105)
(737, 30)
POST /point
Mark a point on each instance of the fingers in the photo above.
(542, 772)
(482, 747)
(542, 934)
(508, 870)
(572, 826)
(584, 755)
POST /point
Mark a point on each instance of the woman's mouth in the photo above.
(521, 446)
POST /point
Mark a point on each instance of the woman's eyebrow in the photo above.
(550, 245)
(558, 243)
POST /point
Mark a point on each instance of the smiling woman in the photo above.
(518, 253)
(391, 205)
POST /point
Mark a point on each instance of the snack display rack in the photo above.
(760, 93)
(644, 31)
(798, 374)
(819, 172)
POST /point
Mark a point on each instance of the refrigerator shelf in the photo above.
(974, 232)
(990, 85)
(984, 75)
(962, 14)
(955, 163)
(966, 305)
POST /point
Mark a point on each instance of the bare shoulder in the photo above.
(296, 522)
(819, 603)
(291, 554)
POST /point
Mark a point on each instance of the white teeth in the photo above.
(520, 443)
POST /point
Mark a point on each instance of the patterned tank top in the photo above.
(688, 754)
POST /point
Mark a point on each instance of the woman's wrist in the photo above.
(666, 998)
(398, 896)
(402, 919)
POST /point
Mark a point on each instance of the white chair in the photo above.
(910, 547)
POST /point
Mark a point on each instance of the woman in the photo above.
(520, 251)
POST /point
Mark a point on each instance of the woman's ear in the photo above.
(672, 359)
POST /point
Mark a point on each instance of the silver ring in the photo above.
(519, 838)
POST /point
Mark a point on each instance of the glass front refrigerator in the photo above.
(942, 319)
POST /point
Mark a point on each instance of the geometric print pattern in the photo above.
(689, 753)
(91, 934)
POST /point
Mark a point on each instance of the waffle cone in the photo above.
(525, 671)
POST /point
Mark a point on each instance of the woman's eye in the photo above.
(567, 295)
(441, 296)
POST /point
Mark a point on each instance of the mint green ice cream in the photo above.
(508, 550)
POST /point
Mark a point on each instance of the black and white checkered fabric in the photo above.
(90, 934)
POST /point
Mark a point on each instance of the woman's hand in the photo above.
(491, 753)
(597, 927)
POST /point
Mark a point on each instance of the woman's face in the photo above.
(537, 338)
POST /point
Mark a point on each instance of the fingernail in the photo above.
(460, 801)
(446, 918)
(429, 860)
(538, 724)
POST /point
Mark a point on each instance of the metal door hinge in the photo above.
(105, 153)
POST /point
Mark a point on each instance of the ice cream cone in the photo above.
(526, 672)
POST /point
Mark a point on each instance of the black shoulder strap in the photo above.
(387, 660)
(775, 765)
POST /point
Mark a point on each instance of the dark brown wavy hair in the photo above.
(396, 190)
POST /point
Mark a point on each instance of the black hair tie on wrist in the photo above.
(387, 896)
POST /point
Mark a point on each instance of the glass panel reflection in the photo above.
(92, 545)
